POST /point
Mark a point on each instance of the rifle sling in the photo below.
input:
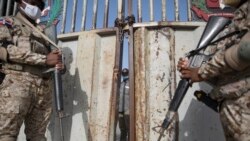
(240, 34)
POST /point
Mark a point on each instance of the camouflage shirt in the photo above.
(216, 67)
(23, 45)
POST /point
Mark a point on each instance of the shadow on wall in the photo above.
(75, 104)
(200, 123)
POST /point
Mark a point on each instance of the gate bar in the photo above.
(132, 131)
(73, 16)
(15, 9)
(106, 12)
(176, 5)
(95, 5)
(64, 16)
(189, 10)
(8, 8)
(151, 10)
(139, 11)
(163, 12)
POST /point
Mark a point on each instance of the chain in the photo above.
(120, 23)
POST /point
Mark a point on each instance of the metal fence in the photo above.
(81, 15)
(105, 10)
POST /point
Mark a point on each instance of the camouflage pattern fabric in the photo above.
(24, 96)
(232, 87)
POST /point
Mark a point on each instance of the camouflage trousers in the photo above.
(235, 118)
(27, 99)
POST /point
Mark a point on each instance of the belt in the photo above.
(35, 70)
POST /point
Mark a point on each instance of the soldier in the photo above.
(25, 90)
(124, 106)
(230, 65)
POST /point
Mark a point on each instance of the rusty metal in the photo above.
(64, 16)
(139, 11)
(73, 16)
(106, 12)
(85, 2)
(132, 125)
(163, 10)
(94, 17)
(176, 5)
(119, 23)
(151, 10)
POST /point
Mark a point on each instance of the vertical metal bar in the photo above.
(106, 12)
(116, 84)
(116, 74)
(85, 2)
(121, 6)
(64, 15)
(132, 131)
(176, 5)
(189, 10)
(8, 8)
(1, 7)
(151, 9)
(95, 5)
(73, 16)
(14, 9)
(139, 12)
(163, 10)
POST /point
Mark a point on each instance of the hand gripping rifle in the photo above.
(57, 78)
(214, 25)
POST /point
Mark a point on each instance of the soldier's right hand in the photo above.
(182, 63)
(53, 58)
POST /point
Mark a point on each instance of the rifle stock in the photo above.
(214, 25)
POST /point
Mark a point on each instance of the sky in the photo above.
(113, 12)
(113, 15)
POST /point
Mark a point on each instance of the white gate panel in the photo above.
(153, 80)
(157, 51)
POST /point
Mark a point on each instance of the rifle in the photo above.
(214, 25)
(57, 78)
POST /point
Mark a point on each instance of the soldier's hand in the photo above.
(182, 64)
(191, 73)
(53, 58)
(61, 67)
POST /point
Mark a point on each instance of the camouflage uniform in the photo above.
(232, 87)
(25, 93)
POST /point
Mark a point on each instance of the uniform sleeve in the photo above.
(19, 53)
(215, 66)
(24, 55)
